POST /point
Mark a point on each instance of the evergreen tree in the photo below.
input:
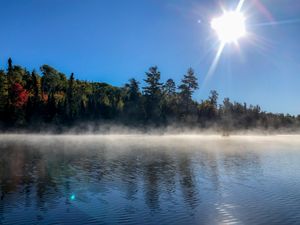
(188, 85)
(27, 100)
(133, 90)
(36, 88)
(71, 101)
(3, 96)
(213, 100)
(170, 87)
(153, 95)
(169, 102)
(132, 101)
(10, 83)
(10, 65)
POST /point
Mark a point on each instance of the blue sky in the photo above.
(114, 40)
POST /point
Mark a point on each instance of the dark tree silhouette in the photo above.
(170, 87)
(153, 95)
(187, 87)
(71, 105)
(133, 110)
(9, 64)
(31, 101)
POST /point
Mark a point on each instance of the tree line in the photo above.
(33, 100)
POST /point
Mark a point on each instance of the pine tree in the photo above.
(36, 87)
(132, 101)
(133, 90)
(3, 96)
(169, 102)
(71, 101)
(153, 88)
(189, 84)
(153, 95)
(170, 87)
(213, 99)
(10, 65)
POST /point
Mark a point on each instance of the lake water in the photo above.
(149, 179)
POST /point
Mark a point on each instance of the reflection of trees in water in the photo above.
(187, 180)
(129, 170)
(151, 184)
(26, 178)
(208, 166)
(12, 170)
(17, 169)
(46, 186)
(168, 172)
(50, 174)
(159, 176)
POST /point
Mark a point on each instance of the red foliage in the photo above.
(20, 95)
(44, 97)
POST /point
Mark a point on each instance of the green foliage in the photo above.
(153, 95)
(3, 95)
(52, 80)
(132, 102)
(188, 85)
(169, 87)
(29, 100)
(72, 106)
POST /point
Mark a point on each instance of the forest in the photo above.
(37, 101)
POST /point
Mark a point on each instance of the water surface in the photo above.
(149, 179)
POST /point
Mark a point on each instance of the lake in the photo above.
(136, 179)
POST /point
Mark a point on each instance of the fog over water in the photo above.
(149, 179)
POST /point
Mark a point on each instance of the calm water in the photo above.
(149, 180)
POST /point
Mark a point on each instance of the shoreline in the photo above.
(162, 135)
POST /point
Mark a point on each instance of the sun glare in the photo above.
(230, 26)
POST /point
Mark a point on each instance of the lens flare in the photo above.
(72, 197)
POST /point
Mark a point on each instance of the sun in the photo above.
(230, 26)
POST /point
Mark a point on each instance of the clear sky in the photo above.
(114, 40)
